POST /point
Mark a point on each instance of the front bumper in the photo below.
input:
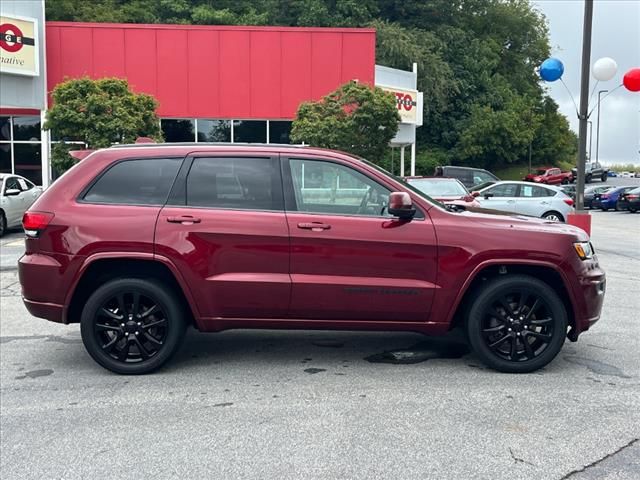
(590, 292)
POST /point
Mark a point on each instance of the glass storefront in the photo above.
(21, 147)
(223, 131)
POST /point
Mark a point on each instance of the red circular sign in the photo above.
(6, 32)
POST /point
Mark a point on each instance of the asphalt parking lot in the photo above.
(293, 405)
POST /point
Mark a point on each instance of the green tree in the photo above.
(355, 118)
(98, 113)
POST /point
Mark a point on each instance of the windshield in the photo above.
(438, 188)
(541, 172)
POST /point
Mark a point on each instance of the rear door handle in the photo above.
(315, 226)
(184, 219)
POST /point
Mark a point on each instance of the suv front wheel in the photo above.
(517, 324)
(132, 326)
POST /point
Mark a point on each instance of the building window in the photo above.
(214, 130)
(21, 147)
(178, 130)
(279, 131)
(250, 131)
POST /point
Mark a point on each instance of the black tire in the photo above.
(632, 210)
(544, 334)
(155, 333)
(588, 178)
(565, 181)
(604, 177)
(3, 223)
(553, 216)
(604, 209)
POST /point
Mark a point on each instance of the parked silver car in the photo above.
(524, 198)
(17, 194)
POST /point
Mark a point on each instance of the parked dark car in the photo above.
(630, 200)
(609, 199)
(570, 190)
(470, 177)
(589, 193)
(137, 242)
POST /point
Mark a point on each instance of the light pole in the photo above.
(583, 112)
(590, 139)
(598, 124)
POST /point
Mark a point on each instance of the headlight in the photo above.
(584, 250)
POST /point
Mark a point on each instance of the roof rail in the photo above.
(208, 144)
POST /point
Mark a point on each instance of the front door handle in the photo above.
(315, 226)
(184, 219)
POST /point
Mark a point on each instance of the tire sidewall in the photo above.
(3, 223)
(484, 297)
(160, 294)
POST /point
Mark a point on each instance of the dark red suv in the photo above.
(137, 242)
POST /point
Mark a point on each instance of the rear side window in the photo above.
(529, 191)
(235, 182)
(135, 182)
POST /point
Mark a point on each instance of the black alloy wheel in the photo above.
(517, 324)
(132, 326)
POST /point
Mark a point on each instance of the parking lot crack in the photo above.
(597, 462)
(518, 459)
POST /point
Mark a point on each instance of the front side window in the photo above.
(135, 182)
(331, 188)
(504, 190)
(236, 182)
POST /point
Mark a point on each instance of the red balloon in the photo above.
(631, 80)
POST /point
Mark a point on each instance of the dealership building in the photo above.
(212, 83)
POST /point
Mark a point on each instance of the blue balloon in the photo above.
(551, 70)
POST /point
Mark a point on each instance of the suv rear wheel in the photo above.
(132, 326)
(517, 324)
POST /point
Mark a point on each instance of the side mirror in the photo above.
(400, 205)
(487, 196)
(12, 192)
(475, 194)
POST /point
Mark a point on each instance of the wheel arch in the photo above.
(100, 268)
(484, 272)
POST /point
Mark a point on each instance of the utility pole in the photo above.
(584, 103)
(600, 92)
(590, 140)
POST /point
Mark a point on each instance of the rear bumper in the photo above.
(48, 311)
(45, 278)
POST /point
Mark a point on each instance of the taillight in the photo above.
(632, 197)
(568, 201)
(34, 222)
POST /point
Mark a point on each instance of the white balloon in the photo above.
(604, 69)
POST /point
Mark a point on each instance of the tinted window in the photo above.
(326, 187)
(504, 190)
(241, 183)
(176, 130)
(136, 182)
(279, 132)
(26, 128)
(250, 131)
(529, 191)
(214, 130)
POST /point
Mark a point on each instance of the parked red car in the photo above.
(137, 242)
(550, 176)
(449, 191)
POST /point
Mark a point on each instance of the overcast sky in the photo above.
(616, 34)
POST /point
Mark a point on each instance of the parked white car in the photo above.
(524, 198)
(17, 194)
(625, 174)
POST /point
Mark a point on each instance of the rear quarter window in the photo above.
(135, 182)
